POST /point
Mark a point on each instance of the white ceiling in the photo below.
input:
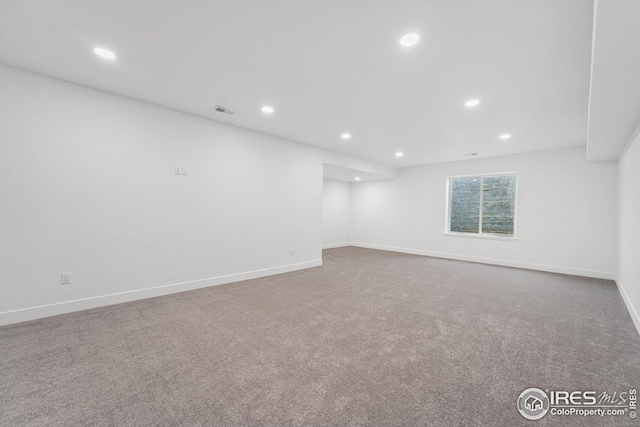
(331, 66)
(614, 107)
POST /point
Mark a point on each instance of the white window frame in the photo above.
(480, 234)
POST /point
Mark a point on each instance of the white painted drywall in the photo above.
(614, 94)
(336, 202)
(566, 213)
(629, 228)
(88, 186)
(363, 167)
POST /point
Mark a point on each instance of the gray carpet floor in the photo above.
(371, 338)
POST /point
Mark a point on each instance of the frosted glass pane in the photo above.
(465, 205)
(498, 204)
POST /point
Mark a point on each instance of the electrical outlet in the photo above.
(292, 251)
(178, 170)
(66, 278)
(184, 171)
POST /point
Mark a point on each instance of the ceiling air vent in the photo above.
(224, 110)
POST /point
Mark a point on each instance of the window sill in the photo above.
(482, 236)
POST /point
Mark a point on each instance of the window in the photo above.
(483, 205)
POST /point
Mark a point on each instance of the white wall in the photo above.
(88, 186)
(363, 167)
(629, 229)
(336, 202)
(566, 213)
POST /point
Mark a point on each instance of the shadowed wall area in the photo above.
(372, 338)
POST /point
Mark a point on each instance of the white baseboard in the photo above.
(336, 245)
(493, 261)
(33, 313)
(632, 311)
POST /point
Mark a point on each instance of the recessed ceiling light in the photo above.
(357, 178)
(409, 39)
(472, 103)
(399, 154)
(505, 136)
(104, 53)
(267, 109)
(346, 136)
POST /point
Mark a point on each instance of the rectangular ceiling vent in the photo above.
(224, 110)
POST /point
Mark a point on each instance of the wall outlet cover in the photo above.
(66, 278)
